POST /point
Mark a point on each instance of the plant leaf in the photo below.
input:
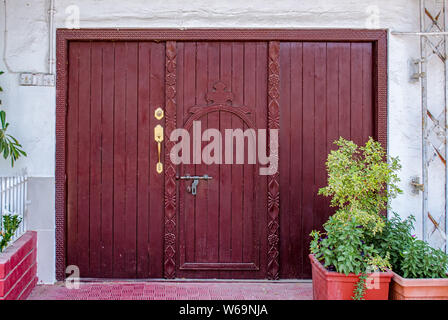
(3, 118)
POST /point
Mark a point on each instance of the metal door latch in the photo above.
(416, 185)
(194, 186)
(417, 69)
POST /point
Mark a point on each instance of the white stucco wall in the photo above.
(31, 110)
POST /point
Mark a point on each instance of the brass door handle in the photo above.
(158, 137)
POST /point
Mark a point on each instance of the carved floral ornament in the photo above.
(219, 94)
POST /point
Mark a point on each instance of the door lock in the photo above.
(158, 137)
(158, 114)
(194, 186)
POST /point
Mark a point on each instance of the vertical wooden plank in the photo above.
(250, 91)
(72, 155)
(237, 170)
(188, 203)
(120, 160)
(144, 143)
(156, 203)
(296, 237)
(84, 157)
(261, 191)
(107, 161)
(180, 82)
(212, 187)
(286, 133)
(333, 57)
(334, 52)
(367, 93)
(344, 90)
(308, 132)
(131, 159)
(225, 188)
(95, 160)
(201, 169)
(356, 93)
(320, 140)
(182, 232)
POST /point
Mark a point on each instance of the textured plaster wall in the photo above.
(31, 110)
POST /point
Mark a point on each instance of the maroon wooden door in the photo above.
(222, 230)
(114, 195)
(125, 220)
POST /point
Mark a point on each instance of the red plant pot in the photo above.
(418, 289)
(328, 285)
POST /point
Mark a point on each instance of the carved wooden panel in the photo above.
(273, 180)
(170, 170)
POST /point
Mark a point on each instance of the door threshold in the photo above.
(101, 280)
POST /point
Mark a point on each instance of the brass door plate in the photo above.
(158, 137)
(158, 114)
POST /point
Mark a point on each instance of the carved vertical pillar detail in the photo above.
(170, 169)
(273, 266)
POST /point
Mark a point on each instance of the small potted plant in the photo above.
(345, 262)
(420, 271)
(10, 225)
(9, 147)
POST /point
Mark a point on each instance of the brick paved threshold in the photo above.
(160, 290)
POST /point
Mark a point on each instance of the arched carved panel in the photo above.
(199, 112)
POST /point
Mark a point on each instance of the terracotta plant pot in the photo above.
(418, 289)
(328, 285)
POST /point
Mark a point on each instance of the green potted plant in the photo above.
(420, 271)
(9, 148)
(345, 262)
(10, 225)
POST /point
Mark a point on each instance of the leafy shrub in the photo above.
(10, 225)
(357, 184)
(410, 258)
(361, 180)
(9, 146)
(358, 177)
(343, 247)
(422, 261)
(395, 238)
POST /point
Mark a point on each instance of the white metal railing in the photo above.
(13, 200)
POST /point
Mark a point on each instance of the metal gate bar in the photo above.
(433, 32)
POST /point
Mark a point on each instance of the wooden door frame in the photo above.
(63, 36)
